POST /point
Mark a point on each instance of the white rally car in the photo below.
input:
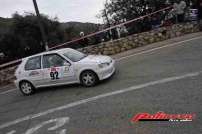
(61, 67)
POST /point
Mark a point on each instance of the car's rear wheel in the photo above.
(26, 88)
(89, 78)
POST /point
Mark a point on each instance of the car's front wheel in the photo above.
(26, 88)
(89, 78)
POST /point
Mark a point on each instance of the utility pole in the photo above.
(107, 19)
(44, 38)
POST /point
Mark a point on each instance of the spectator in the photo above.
(155, 21)
(169, 19)
(179, 8)
(2, 55)
(146, 24)
(114, 32)
(83, 42)
(199, 7)
(101, 36)
(123, 31)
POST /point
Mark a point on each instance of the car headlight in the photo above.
(103, 65)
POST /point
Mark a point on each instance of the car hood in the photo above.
(96, 59)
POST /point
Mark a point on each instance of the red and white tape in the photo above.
(13, 63)
(107, 29)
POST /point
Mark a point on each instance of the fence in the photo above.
(109, 31)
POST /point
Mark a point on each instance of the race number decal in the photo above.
(54, 74)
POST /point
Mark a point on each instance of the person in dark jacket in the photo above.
(199, 7)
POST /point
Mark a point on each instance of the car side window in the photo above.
(53, 60)
(33, 63)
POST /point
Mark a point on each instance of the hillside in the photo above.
(75, 27)
(28, 38)
(89, 27)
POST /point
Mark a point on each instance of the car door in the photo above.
(33, 71)
(57, 70)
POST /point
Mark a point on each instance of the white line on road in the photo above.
(77, 103)
(11, 132)
(132, 55)
(157, 48)
(11, 90)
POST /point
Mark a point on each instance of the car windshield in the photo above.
(74, 55)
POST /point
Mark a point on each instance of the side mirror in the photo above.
(67, 64)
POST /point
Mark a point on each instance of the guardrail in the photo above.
(110, 28)
(10, 64)
(16, 62)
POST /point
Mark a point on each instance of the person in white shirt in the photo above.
(179, 8)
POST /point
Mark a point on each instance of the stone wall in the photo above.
(142, 39)
(7, 76)
(123, 44)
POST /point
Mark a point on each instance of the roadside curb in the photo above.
(7, 87)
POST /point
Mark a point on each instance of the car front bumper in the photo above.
(107, 72)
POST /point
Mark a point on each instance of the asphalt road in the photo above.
(167, 78)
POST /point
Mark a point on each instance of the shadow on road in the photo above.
(74, 87)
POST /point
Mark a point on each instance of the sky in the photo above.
(65, 10)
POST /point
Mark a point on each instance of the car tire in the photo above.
(89, 78)
(26, 88)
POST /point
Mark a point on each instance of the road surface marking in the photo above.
(139, 53)
(77, 103)
(59, 122)
(11, 90)
(11, 132)
(157, 48)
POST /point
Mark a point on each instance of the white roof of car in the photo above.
(48, 52)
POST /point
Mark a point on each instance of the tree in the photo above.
(27, 29)
(117, 11)
(10, 46)
(24, 37)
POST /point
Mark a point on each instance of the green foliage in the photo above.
(117, 11)
(73, 29)
(27, 30)
(23, 37)
(10, 46)
(5, 25)
(122, 10)
(20, 35)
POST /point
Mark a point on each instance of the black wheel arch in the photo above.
(88, 70)
(26, 81)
